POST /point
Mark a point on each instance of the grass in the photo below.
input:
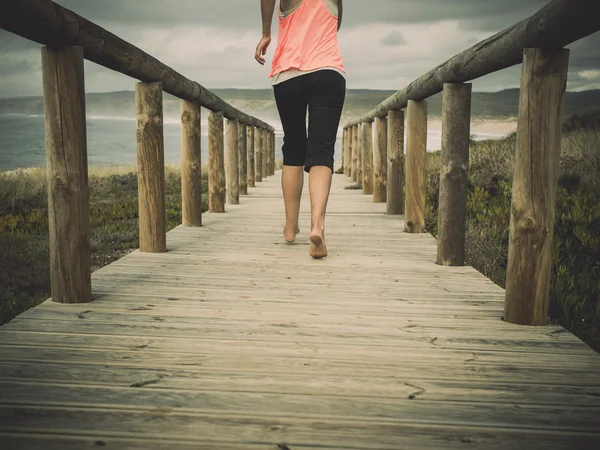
(575, 281)
(114, 232)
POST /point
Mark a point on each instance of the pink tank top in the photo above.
(307, 39)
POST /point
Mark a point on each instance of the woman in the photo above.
(308, 74)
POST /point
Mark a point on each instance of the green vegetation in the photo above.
(575, 284)
(24, 257)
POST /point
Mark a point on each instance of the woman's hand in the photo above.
(261, 49)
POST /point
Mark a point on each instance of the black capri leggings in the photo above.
(323, 93)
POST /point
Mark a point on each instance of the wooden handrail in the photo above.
(557, 24)
(47, 23)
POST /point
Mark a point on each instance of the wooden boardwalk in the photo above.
(235, 340)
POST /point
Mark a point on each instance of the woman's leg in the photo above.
(292, 105)
(325, 104)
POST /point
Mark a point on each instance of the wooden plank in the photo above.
(231, 330)
(535, 185)
(67, 174)
(151, 167)
(191, 165)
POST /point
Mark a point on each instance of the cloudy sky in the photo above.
(385, 43)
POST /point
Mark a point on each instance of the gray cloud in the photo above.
(386, 43)
(394, 39)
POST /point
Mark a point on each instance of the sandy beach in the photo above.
(484, 127)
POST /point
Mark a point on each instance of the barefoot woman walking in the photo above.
(307, 74)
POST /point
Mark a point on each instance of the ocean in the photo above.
(112, 141)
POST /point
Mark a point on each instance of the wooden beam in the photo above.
(395, 170)
(535, 183)
(191, 165)
(380, 161)
(50, 24)
(416, 152)
(242, 159)
(556, 25)
(250, 155)
(454, 174)
(67, 174)
(216, 164)
(258, 156)
(151, 167)
(231, 163)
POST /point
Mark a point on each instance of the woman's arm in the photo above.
(267, 8)
(340, 13)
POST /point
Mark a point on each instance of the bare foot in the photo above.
(290, 237)
(318, 249)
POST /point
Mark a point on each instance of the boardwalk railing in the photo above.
(538, 43)
(68, 39)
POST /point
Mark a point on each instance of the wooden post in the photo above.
(344, 152)
(367, 157)
(250, 132)
(216, 164)
(258, 155)
(269, 146)
(231, 163)
(395, 170)
(539, 131)
(242, 159)
(416, 153)
(264, 152)
(67, 174)
(191, 165)
(151, 167)
(358, 152)
(454, 174)
(380, 161)
(274, 151)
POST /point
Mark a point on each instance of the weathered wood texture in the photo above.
(230, 341)
(243, 159)
(264, 142)
(258, 155)
(67, 174)
(533, 211)
(151, 167)
(50, 24)
(556, 25)
(454, 174)
(416, 153)
(380, 161)
(270, 159)
(231, 163)
(358, 151)
(191, 165)
(347, 164)
(216, 163)
(395, 171)
(366, 137)
(250, 132)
